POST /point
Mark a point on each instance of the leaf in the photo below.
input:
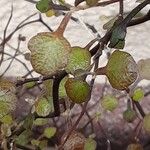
(90, 144)
(79, 58)
(7, 119)
(49, 53)
(110, 23)
(30, 85)
(117, 39)
(40, 121)
(7, 103)
(43, 6)
(49, 132)
(43, 106)
(43, 144)
(35, 142)
(138, 94)
(62, 91)
(24, 138)
(48, 84)
(144, 68)
(50, 13)
(28, 122)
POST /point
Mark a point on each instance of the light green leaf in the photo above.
(7, 119)
(62, 90)
(90, 144)
(49, 132)
(43, 144)
(79, 58)
(24, 138)
(138, 94)
(43, 106)
(40, 121)
(35, 142)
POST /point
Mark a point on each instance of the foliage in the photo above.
(52, 120)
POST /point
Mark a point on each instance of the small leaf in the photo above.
(43, 106)
(35, 142)
(7, 119)
(43, 144)
(30, 85)
(144, 68)
(90, 144)
(138, 94)
(109, 102)
(62, 91)
(118, 37)
(7, 103)
(50, 13)
(40, 121)
(24, 138)
(146, 123)
(48, 84)
(139, 1)
(79, 58)
(77, 90)
(43, 6)
(110, 23)
(49, 132)
(28, 122)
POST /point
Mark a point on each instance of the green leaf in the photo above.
(48, 84)
(144, 68)
(49, 132)
(24, 138)
(138, 94)
(62, 90)
(35, 142)
(90, 144)
(7, 103)
(118, 37)
(110, 23)
(43, 6)
(28, 122)
(109, 102)
(29, 85)
(43, 144)
(40, 121)
(43, 106)
(7, 119)
(49, 53)
(79, 58)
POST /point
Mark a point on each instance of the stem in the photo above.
(101, 71)
(60, 30)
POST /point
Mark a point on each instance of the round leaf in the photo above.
(43, 6)
(43, 106)
(90, 144)
(7, 103)
(138, 94)
(79, 58)
(49, 53)
(49, 132)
